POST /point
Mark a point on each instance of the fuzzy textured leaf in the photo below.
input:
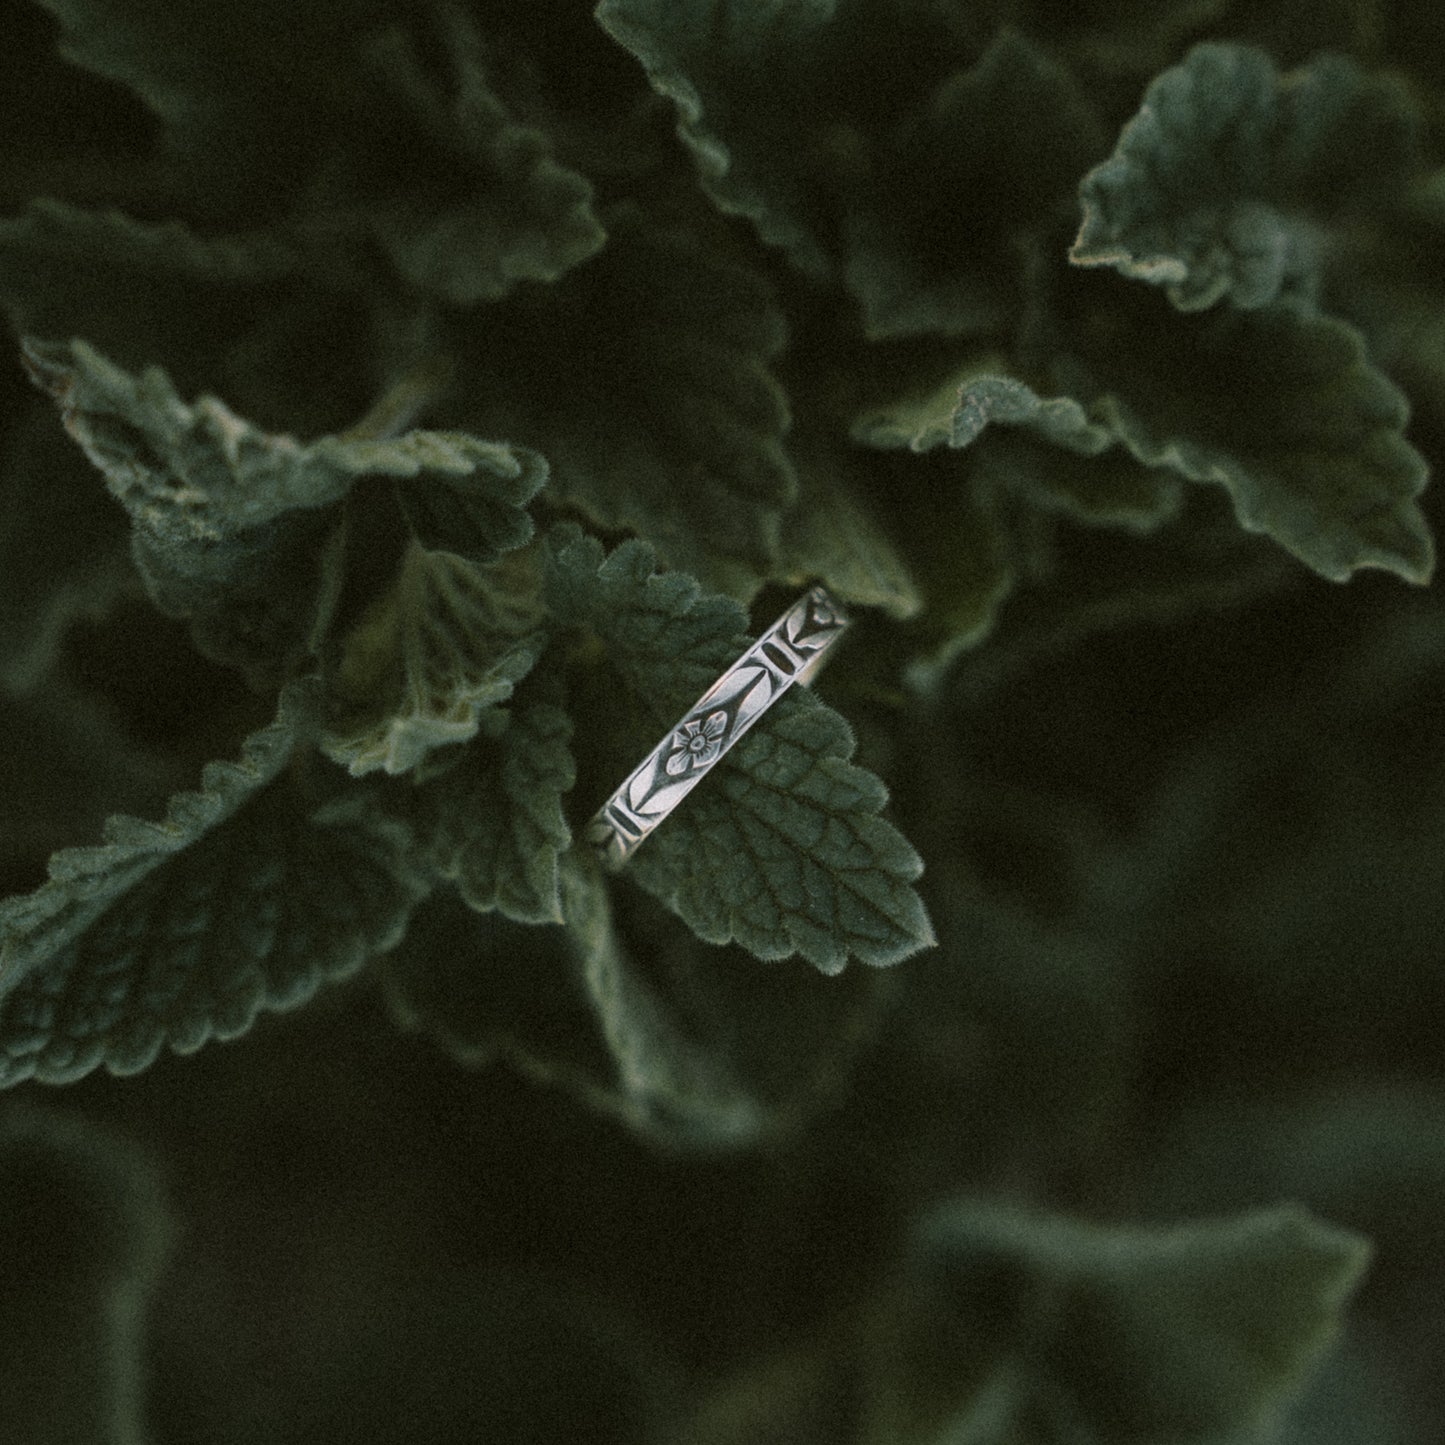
(984, 523)
(1279, 405)
(832, 535)
(243, 898)
(229, 522)
(787, 854)
(773, 293)
(783, 851)
(528, 218)
(932, 248)
(1107, 487)
(495, 823)
(1283, 408)
(1231, 178)
(450, 639)
(723, 64)
(201, 474)
(264, 316)
(51, 232)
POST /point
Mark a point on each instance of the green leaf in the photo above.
(229, 523)
(1000, 398)
(910, 181)
(782, 850)
(494, 820)
(246, 896)
(262, 316)
(726, 67)
(463, 198)
(84, 1232)
(1010, 1326)
(1232, 177)
(987, 526)
(920, 416)
(932, 248)
(201, 89)
(53, 233)
(529, 218)
(659, 413)
(1371, 1153)
(1279, 405)
(787, 854)
(417, 670)
(1111, 491)
(76, 127)
(691, 1047)
(1385, 278)
(968, 566)
(200, 474)
(833, 536)
(670, 636)
(1284, 409)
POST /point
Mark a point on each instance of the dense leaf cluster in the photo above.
(415, 408)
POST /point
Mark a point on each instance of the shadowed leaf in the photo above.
(693, 1047)
(1009, 1326)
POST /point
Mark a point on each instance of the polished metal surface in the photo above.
(790, 651)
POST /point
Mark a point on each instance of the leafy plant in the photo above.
(416, 408)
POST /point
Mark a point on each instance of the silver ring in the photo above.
(790, 651)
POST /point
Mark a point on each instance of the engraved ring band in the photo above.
(790, 651)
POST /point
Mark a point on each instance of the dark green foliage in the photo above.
(646, 380)
(903, 181)
(1196, 1332)
(1223, 184)
(1280, 405)
(84, 1232)
(498, 828)
(413, 409)
(633, 1017)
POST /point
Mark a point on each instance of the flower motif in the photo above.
(696, 743)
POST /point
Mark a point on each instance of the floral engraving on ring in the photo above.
(697, 743)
